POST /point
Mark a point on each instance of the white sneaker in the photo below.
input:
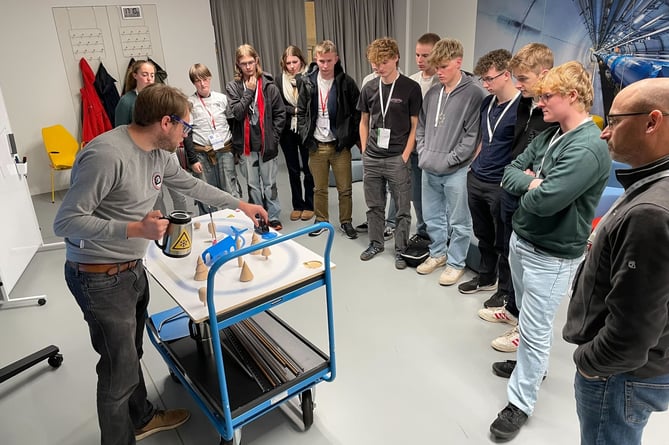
(431, 264)
(498, 315)
(507, 342)
(450, 276)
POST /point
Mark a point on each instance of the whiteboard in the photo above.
(20, 236)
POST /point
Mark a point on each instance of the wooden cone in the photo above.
(202, 293)
(199, 261)
(240, 260)
(211, 227)
(266, 252)
(196, 225)
(201, 272)
(255, 239)
(246, 274)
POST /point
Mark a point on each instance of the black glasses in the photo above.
(544, 97)
(613, 119)
(187, 127)
(489, 79)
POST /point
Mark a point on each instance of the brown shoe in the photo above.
(295, 215)
(163, 421)
(307, 215)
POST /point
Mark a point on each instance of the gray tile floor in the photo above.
(413, 361)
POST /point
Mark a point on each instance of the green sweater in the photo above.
(556, 217)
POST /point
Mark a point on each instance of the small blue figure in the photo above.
(224, 246)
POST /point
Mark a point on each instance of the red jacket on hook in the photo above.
(94, 117)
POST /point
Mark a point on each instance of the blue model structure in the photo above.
(223, 247)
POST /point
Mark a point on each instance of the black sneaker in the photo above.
(362, 228)
(276, 225)
(473, 286)
(508, 422)
(400, 262)
(318, 231)
(370, 252)
(497, 299)
(388, 233)
(504, 369)
(419, 239)
(348, 229)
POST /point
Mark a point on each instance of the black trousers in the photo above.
(484, 205)
(507, 206)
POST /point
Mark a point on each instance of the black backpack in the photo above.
(417, 251)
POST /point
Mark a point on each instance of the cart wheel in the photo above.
(55, 360)
(307, 409)
(41, 301)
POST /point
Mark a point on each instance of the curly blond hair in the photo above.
(564, 79)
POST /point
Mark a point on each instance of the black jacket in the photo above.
(529, 123)
(105, 85)
(619, 309)
(344, 117)
(239, 100)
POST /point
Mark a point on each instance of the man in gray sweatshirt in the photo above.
(107, 220)
(446, 138)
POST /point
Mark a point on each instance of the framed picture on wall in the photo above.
(131, 12)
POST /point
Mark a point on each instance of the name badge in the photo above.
(323, 123)
(383, 137)
(216, 140)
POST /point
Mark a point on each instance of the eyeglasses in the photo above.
(613, 119)
(544, 97)
(187, 127)
(251, 63)
(489, 79)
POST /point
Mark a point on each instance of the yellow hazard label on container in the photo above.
(182, 243)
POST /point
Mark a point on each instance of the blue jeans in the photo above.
(261, 177)
(445, 210)
(615, 410)
(221, 175)
(114, 306)
(541, 281)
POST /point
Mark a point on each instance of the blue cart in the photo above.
(202, 357)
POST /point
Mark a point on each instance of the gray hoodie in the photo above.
(450, 144)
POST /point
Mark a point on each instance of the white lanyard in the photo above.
(384, 110)
(556, 137)
(491, 130)
(441, 93)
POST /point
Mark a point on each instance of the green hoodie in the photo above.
(556, 216)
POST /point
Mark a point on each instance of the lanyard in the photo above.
(213, 124)
(634, 187)
(491, 131)
(441, 93)
(384, 110)
(556, 137)
(324, 103)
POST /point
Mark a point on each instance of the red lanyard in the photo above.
(324, 103)
(213, 124)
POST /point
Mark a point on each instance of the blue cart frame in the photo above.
(221, 416)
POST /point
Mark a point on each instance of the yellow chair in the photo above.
(61, 147)
(598, 120)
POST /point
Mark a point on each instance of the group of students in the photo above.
(522, 167)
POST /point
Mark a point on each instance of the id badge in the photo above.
(383, 137)
(323, 123)
(216, 140)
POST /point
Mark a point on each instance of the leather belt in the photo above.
(327, 144)
(207, 148)
(109, 269)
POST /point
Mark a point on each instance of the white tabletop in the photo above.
(289, 264)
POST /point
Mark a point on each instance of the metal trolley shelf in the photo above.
(230, 394)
